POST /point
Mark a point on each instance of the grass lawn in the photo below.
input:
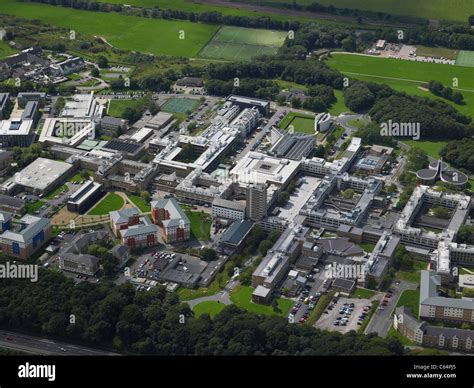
(339, 106)
(368, 247)
(5, 49)
(239, 43)
(432, 147)
(210, 307)
(408, 76)
(57, 191)
(410, 299)
(298, 122)
(109, 203)
(457, 10)
(76, 178)
(117, 107)
(414, 274)
(200, 224)
(364, 293)
(241, 296)
(32, 207)
(356, 123)
(156, 36)
(139, 203)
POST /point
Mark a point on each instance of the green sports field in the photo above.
(156, 36)
(180, 105)
(238, 43)
(430, 9)
(408, 76)
(465, 58)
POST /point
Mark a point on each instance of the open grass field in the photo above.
(432, 148)
(239, 43)
(109, 203)
(410, 299)
(426, 51)
(430, 9)
(180, 105)
(5, 49)
(364, 293)
(139, 203)
(200, 224)
(408, 76)
(298, 122)
(465, 58)
(192, 6)
(212, 308)
(241, 296)
(156, 36)
(413, 275)
(32, 207)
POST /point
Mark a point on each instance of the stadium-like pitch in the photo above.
(239, 43)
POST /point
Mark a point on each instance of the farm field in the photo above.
(238, 43)
(156, 36)
(430, 9)
(426, 51)
(465, 58)
(300, 122)
(407, 76)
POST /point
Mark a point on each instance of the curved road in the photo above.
(222, 296)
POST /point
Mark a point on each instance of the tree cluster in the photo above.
(155, 322)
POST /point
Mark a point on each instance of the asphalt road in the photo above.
(382, 319)
(42, 346)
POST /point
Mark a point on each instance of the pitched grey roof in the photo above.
(31, 227)
(177, 215)
(237, 231)
(122, 216)
(429, 284)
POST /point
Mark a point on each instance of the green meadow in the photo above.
(155, 36)
(458, 10)
(408, 76)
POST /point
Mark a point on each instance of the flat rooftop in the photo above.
(41, 173)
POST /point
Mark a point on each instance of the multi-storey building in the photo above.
(175, 224)
(26, 238)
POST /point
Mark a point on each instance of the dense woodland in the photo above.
(149, 322)
(460, 154)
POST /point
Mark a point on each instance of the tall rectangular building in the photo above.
(256, 201)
